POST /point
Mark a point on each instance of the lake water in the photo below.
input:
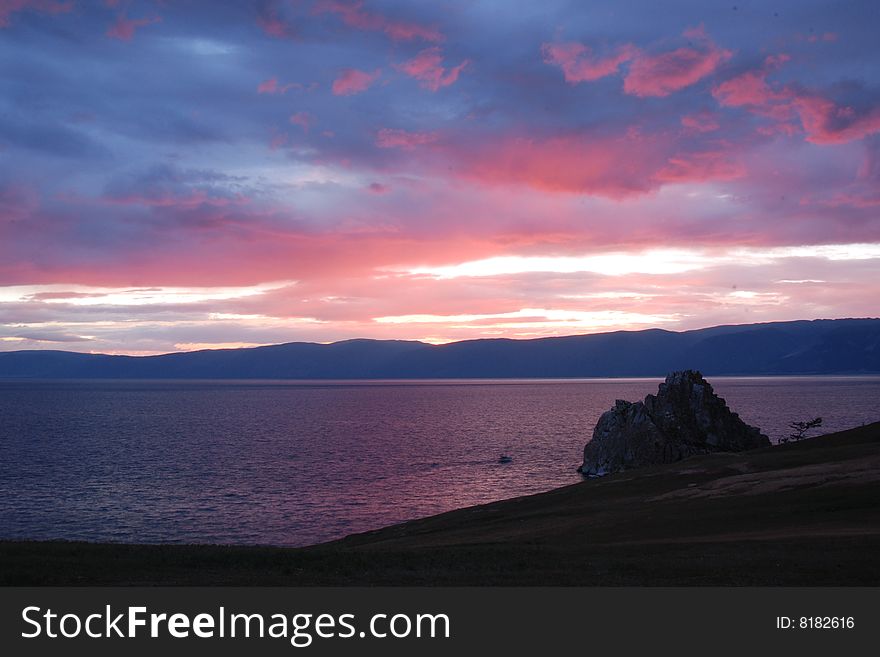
(292, 463)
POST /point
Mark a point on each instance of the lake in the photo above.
(294, 463)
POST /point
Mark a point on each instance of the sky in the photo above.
(189, 174)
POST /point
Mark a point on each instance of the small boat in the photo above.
(505, 459)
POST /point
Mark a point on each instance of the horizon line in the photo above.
(431, 344)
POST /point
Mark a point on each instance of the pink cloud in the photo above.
(614, 168)
(700, 122)
(824, 121)
(303, 119)
(427, 68)
(578, 64)
(392, 138)
(860, 200)
(269, 245)
(124, 29)
(827, 37)
(630, 165)
(699, 167)
(662, 74)
(278, 140)
(788, 129)
(749, 88)
(752, 89)
(338, 264)
(9, 7)
(271, 86)
(271, 22)
(648, 75)
(353, 81)
(353, 14)
(378, 188)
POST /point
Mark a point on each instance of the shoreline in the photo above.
(796, 514)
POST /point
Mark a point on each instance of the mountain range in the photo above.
(823, 346)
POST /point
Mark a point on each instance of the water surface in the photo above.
(293, 463)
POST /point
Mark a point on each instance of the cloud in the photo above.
(124, 28)
(393, 138)
(10, 7)
(354, 15)
(627, 164)
(699, 167)
(50, 337)
(303, 119)
(512, 160)
(278, 140)
(702, 121)
(160, 199)
(827, 37)
(863, 193)
(664, 73)
(272, 86)
(823, 120)
(271, 21)
(572, 163)
(353, 81)
(168, 190)
(751, 89)
(865, 200)
(269, 86)
(427, 67)
(578, 64)
(827, 122)
(648, 74)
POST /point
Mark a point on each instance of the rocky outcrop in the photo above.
(684, 418)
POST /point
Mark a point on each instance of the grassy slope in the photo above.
(797, 514)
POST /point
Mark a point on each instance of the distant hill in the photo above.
(825, 346)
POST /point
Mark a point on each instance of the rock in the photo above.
(684, 418)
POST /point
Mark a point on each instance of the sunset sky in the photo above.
(185, 174)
